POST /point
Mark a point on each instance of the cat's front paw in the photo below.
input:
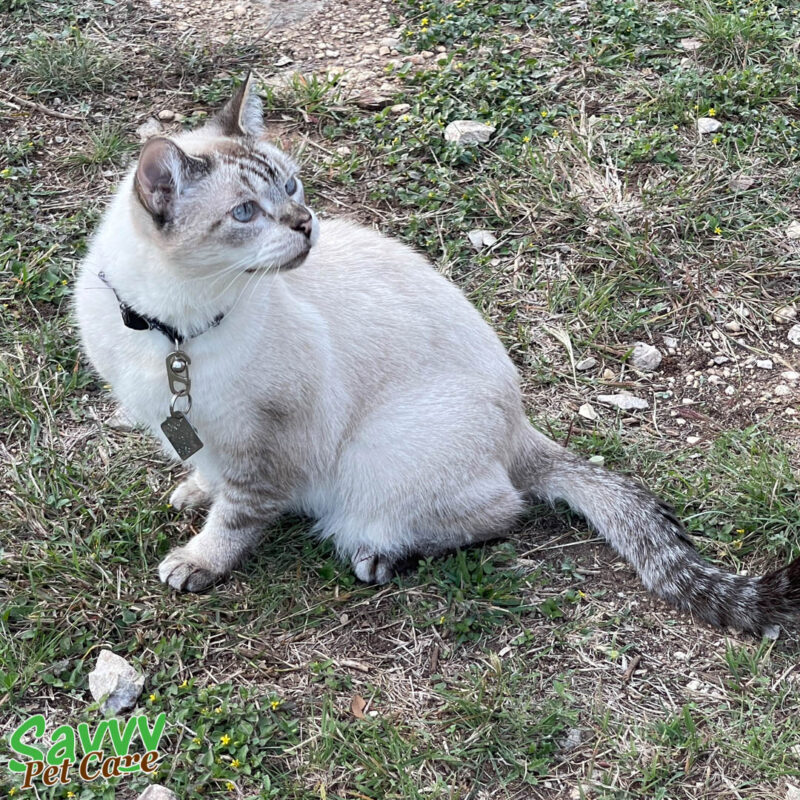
(372, 567)
(189, 494)
(185, 572)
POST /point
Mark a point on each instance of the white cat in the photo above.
(333, 372)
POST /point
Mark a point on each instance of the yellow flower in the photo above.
(152, 698)
(63, 283)
(218, 710)
(555, 134)
(225, 739)
(441, 620)
(581, 594)
(526, 139)
(229, 786)
(424, 21)
(196, 740)
(275, 704)
(12, 791)
(674, 127)
(544, 114)
(236, 763)
(712, 112)
(184, 684)
(718, 230)
(740, 530)
(6, 172)
(70, 794)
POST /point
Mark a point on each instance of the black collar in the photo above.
(139, 322)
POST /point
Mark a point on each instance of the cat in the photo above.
(333, 372)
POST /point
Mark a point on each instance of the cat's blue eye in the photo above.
(291, 186)
(244, 212)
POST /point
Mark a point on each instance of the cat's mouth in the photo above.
(292, 263)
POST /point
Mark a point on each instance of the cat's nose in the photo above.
(298, 219)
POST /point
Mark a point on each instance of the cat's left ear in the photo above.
(243, 114)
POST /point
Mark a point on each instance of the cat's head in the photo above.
(221, 196)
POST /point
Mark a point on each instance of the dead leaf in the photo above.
(357, 706)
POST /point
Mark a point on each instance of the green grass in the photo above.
(535, 668)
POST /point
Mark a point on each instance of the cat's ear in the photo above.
(243, 114)
(161, 175)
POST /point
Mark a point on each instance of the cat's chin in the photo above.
(292, 263)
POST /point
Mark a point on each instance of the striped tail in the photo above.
(645, 531)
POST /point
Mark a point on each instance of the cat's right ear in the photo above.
(162, 172)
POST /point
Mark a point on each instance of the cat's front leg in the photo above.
(234, 526)
(192, 492)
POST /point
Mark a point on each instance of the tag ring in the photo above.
(178, 396)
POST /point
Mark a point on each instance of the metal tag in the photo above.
(182, 436)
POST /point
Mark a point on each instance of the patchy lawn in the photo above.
(533, 668)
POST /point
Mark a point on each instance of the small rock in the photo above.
(587, 412)
(690, 45)
(719, 360)
(785, 314)
(730, 391)
(480, 238)
(670, 341)
(166, 115)
(151, 127)
(571, 740)
(741, 183)
(332, 53)
(794, 334)
(384, 51)
(597, 461)
(790, 375)
(645, 357)
(694, 686)
(608, 375)
(792, 791)
(692, 439)
(114, 679)
(389, 41)
(466, 131)
(400, 108)
(284, 61)
(733, 326)
(157, 792)
(708, 125)
(239, 11)
(372, 101)
(793, 231)
(626, 402)
(764, 363)
(782, 390)
(120, 421)
(586, 363)
(343, 150)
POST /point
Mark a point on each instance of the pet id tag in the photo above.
(182, 436)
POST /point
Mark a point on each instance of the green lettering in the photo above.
(120, 744)
(63, 746)
(36, 724)
(90, 743)
(151, 738)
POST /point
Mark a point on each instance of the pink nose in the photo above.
(303, 224)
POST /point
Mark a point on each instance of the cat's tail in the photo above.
(645, 531)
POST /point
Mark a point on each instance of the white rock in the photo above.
(400, 108)
(166, 115)
(793, 231)
(586, 363)
(790, 375)
(670, 341)
(389, 41)
(480, 238)
(733, 326)
(692, 439)
(764, 363)
(587, 412)
(694, 686)
(284, 61)
(741, 183)
(624, 401)
(571, 740)
(239, 11)
(467, 131)
(794, 334)
(608, 375)
(343, 150)
(114, 679)
(719, 360)
(785, 314)
(151, 127)
(782, 390)
(157, 792)
(597, 461)
(690, 45)
(645, 357)
(708, 125)
(730, 391)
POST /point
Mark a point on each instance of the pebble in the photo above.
(467, 131)
(782, 390)
(764, 363)
(284, 61)
(166, 115)
(480, 238)
(692, 439)
(384, 51)
(793, 231)
(587, 412)
(790, 375)
(721, 359)
(794, 334)
(708, 125)
(157, 792)
(645, 357)
(733, 326)
(400, 108)
(239, 11)
(597, 460)
(785, 314)
(608, 375)
(690, 45)
(741, 183)
(586, 363)
(730, 391)
(626, 402)
(670, 341)
(343, 150)
(114, 679)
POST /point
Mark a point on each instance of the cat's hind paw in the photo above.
(183, 572)
(372, 567)
(189, 493)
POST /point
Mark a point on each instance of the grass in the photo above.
(534, 668)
